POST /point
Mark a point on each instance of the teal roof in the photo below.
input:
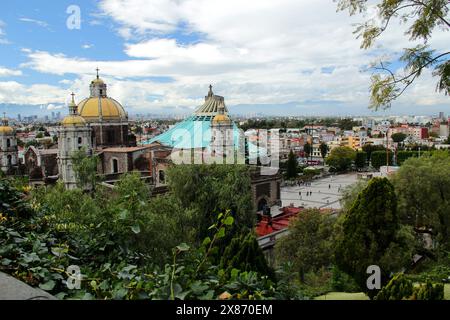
(195, 133)
(192, 133)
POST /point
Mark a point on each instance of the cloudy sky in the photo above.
(287, 57)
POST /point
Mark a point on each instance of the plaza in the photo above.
(324, 193)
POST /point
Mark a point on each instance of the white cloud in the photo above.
(3, 40)
(5, 72)
(36, 22)
(52, 106)
(87, 46)
(253, 52)
(17, 93)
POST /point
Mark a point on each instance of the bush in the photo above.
(378, 159)
(361, 159)
(429, 291)
(398, 288)
(403, 155)
(340, 281)
(401, 288)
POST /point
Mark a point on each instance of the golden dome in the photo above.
(109, 109)
(6, 130)
(73, 120)
(4, 126)
(221, 118)
(97, 81)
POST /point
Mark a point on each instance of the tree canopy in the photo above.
(423, 188)
(341, 158)
(309, 244)
(372, 235)
(422, 18)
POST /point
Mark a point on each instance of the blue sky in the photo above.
(159, 56)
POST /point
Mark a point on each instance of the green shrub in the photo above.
(429, 291)
(398, 288)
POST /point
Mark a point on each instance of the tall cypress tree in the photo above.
(291, 166)
(243, 253)
(369, 234)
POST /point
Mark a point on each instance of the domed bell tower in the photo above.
(8, 146)
(73, 135)
(98, 87)
(222, 137)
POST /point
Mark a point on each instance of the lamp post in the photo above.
(387, 150)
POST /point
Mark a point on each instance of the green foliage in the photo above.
(423, 188)
(38, 249)
(307, 148)
(361, 159)
(85, 167)
(369, 148)
(403, 155)
(309, 244)
(379, 158)
(243, 253)
(341, 158)
(291, 171)
(398, 137)
(12, 204)
(206, 190)
(398, 288)
(422, 17)
(351, 192)
(429, 291)
(324, 149)
(371, 235)
(33, 143)
(401, 288)
(340, 281)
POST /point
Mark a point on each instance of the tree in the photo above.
(244, 253)
(324, 149)
(403, 155)
(380, 158)
(422, 185)
(291, 171)
(448, 140)
(361, 159)
(423, 17)
(85, 167)
(206, 190)
(369, 148)
(309, 243)
(341, 158)
(372, 235)
(307, 148)
(398, 137)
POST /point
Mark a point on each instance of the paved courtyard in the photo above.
(325, 193)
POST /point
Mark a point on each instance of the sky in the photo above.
(284, 57)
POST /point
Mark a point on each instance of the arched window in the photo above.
(115, 166)
(9, 157)
(80, 140)
(162, 176)
(8, 143)
(262, 204)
